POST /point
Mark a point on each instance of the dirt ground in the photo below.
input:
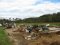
(17, 38)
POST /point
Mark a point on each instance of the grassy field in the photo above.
(3, 37)
(51, 24)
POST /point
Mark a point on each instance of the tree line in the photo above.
(55, 17)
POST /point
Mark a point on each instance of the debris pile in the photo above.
(35, 35)
(31, 31)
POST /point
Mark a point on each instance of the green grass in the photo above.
(3, 37)
(51, 24)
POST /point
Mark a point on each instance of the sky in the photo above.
(28, 8)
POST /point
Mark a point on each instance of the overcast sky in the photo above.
(28, 8)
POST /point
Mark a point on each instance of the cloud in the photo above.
(27, 8)
(7, 0)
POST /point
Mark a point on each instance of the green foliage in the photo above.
(3, 38)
